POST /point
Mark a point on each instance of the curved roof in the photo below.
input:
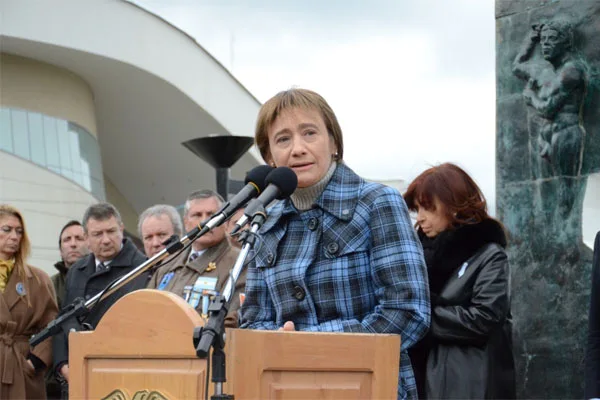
(154, 88)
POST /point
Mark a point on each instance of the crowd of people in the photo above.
(339, 255)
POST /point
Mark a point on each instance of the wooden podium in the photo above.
(142, 349)
(304, 365)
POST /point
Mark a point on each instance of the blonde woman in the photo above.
(27, 305)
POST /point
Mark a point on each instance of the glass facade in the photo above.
(55, 144)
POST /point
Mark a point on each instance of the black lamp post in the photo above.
(221, 152)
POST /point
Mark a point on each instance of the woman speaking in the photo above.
(340, 255)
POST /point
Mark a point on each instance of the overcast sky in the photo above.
(411, 81)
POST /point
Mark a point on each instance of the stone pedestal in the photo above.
(548, 143)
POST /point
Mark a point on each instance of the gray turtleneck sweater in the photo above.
(304, 198)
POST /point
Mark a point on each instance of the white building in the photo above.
(96, 98)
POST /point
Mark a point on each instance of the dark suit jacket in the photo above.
(592, 354)
(83, 281)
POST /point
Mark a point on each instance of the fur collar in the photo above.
(448, 250)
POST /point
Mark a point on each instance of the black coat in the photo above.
(83, 281)
(468, 351)
(592, 354)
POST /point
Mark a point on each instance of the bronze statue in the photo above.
(555, 91)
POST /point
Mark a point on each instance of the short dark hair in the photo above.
(100, 212)
(67, 225)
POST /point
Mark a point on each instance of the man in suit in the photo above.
(111, 257)
(205, 266)
(592, 354)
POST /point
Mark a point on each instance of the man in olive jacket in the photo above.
(206, 265)
(111, 257)
(72, 246)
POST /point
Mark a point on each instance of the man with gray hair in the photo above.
(157, 224)
(111, 257)
(201, 271)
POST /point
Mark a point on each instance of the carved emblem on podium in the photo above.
(119, 394)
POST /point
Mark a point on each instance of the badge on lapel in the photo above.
(462, 270)
(211, 267)
(21, 289)
(165, 280)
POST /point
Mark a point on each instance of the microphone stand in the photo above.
(213, 333)
(69, 321)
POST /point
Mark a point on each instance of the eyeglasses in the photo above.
(8, 229)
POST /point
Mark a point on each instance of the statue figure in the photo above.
(555, 92)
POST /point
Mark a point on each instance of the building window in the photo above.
(60, 146)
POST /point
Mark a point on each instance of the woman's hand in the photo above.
(288, 327)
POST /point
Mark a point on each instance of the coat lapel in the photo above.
(16, 288)
(201, 263)
(4, 309)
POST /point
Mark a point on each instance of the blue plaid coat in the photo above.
(351, 264)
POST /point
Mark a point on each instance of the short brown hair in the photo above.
(295, 98)
(458, 193)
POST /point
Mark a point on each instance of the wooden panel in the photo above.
(284, 385)
(143, 342)
(173, 379)
(302, 365)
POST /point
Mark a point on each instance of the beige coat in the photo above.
(19, 321)
(223, 256)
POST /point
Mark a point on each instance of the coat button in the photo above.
(299, 293)
(87, 296)
(333, 248)
(270, 259)
(313, 223)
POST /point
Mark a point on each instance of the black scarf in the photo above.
(446, 252)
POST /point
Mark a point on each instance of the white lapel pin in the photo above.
(462, 269)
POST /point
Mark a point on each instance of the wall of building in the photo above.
(48, 150)
(47, 201)
(128, 214)
(35, 86)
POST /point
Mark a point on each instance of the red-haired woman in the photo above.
(468, 351)
(27, 305)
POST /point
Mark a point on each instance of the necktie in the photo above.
(101, 267)
(193, 256)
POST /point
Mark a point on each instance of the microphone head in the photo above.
(258, 176)
(285, 179)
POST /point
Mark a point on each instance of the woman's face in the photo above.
(432, 222)
(298, 139)
(11, 233)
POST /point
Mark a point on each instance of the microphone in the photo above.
(281, 183)
(255, 183)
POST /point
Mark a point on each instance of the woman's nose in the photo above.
(298, 147)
